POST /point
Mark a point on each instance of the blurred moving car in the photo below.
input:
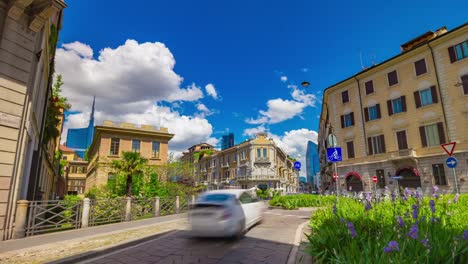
(225, 213)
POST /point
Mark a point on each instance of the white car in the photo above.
(225, 213)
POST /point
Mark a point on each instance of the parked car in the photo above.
(225, 213)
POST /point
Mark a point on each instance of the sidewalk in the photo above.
(42, 248)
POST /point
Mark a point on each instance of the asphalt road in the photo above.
(269, 242)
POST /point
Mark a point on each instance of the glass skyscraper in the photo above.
(79, 139)
(227, 141)
(312, 161)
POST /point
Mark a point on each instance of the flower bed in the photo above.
(301, 200)
(410, 229)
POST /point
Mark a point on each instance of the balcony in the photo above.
(262, 160)
(225, 165)
(402, 154)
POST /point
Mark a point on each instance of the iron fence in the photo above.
(106, 211)
(53, 215)
(142, 208)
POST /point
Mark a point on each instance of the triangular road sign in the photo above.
(449, 147)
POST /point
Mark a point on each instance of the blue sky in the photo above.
(243, 48)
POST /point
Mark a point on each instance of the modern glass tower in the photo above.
(227, 141)
(312, 161)
(79, 139)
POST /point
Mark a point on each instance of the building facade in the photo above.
(79, 139)
(28, 37)
(249, 164)
(312, 162)
(111, 139)
(391, 119)
(227, 141)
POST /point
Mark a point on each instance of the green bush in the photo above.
(408, 230)
(301, 200)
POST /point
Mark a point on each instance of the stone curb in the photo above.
(109, 249)
(297, 242)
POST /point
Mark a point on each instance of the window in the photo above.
(396, 106)
(392, 78)
(242, 155)
(259, 152)
(114, 148)
(228, 159)
(350, 148)
(372, 113)
(76, 186)
(235, 157)
(155, 149)
(420, 67)
(73, 169)
(432, 135)
(64, 157)
(245, 198)
(425, 97)
(265, 152)
(347, 120)
(214, 163)
(345, 97)
(136, 145)
(376, 144)
(464, 81)
(226, 174)
(458, 52)
(369, 87)
(401, 140)
(439, 174)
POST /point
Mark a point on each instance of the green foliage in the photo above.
(301, 200)
(53, 38)
(130, 165)
(205, 152)
(331, 240)
(264, 194)
(56, 101)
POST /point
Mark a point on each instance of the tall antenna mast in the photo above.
(360, 57)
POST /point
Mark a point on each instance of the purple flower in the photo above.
(435, 219)
(423, 218)
(435, 189)
(352, 230)
(425, 242)
(368, 206)
(342, 220)
(393, 196)
(455, 200)
(417, 195)
(392, 246)
(407, 192)
(334, 209)
(432, 205)
(465, 235)
(413, 232)
(369, 197)
(415, 211)
(400, 221)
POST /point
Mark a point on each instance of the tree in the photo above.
(131, 164)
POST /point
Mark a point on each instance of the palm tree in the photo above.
(131, 163)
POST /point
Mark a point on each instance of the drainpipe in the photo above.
(362, 114)
(440, 92)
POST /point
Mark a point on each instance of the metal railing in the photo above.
(40, 217)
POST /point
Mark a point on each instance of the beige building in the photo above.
(75, 170)
(391, 119)
(255, 162)
(28, 36)
(111, 139)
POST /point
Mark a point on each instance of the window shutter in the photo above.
(451, 52)
(434, 95)
(389, 107)
(464, 80)
(382, 141)
(369, 143)
(352, 118)
(369, 87)
(366, 114)
(403, 103)
(342, 121)
(417, 99)
(440, 127)
(378, 111)
(422, 134)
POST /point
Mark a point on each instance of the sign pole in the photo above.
(337, 179)
(455, 179)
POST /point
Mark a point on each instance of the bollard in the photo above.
(20, 219)
(128, 209)
(85, 213)
(156, 207)
(177, 204)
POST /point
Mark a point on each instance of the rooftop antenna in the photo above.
(360, 57)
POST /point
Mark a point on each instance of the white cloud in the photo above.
(253, 131)
(305, 69)
(280, 110)
(128, 82)
(203, 108)
(294, 143)
(284, 78)
(211, 90)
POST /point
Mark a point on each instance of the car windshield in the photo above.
(218, 198)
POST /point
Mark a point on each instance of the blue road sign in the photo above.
(297, 165)
(451, 162)
(334, 154)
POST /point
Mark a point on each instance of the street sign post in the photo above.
(374, 179)
(452, 162)
(334, 154)
(449, 147)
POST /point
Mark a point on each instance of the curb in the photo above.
(297, 241)
(109, 249)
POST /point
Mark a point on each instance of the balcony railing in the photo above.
(262, 160)
(225, 165)
(405, 153)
